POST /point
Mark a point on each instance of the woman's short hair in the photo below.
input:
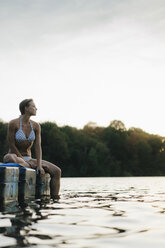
(23, 104)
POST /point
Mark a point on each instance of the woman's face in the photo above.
(31, 109)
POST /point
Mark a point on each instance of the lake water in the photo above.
(92, 213)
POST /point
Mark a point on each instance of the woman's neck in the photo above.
(25, 118)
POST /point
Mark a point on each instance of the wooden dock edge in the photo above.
(21, 184)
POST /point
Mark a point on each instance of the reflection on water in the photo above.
(92, 212)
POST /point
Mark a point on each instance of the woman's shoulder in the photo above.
(35, 124)
(14, 121)
(14, 124)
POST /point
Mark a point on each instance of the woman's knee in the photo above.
(9, 158)
(52, 169)
(57, 172)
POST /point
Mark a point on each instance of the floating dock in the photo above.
(18, 183)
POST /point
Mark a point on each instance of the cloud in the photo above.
(77, 51)
(34, 23)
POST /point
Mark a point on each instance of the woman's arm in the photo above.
(38, 149)
(11, 138)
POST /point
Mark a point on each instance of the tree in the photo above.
(99, 151)
(3, 139)
(118, 125)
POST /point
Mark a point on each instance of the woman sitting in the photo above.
(22, 133)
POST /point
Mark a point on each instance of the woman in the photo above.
(22, 133)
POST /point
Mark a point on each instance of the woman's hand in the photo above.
(40, 170)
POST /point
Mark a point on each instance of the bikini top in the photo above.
(20, 136)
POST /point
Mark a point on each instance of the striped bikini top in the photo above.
(20, 136)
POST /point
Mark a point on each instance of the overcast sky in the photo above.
(84, 60)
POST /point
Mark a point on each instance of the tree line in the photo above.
(99, 151)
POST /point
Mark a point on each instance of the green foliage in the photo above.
(54, 145)
(3, 139)
(99, 151)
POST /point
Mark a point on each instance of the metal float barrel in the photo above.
(43, 185)
(27, 184)
(20, 183)
(9, 177)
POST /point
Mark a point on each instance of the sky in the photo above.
(84, 61)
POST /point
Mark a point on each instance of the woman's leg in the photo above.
(9, 158)
(12, 158)
(55, 173)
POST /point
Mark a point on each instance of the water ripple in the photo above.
(92, 213)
